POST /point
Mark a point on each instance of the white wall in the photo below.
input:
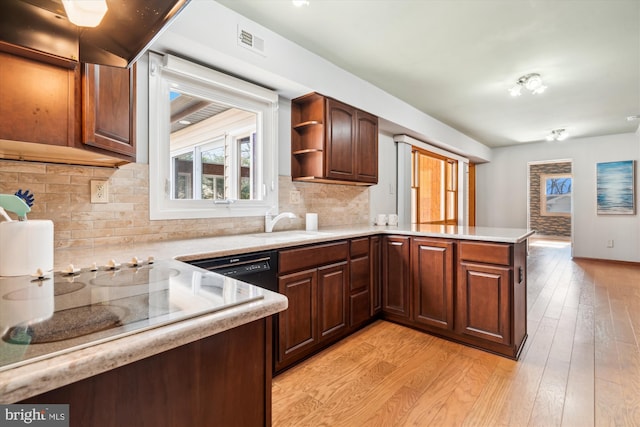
(383, 196)
(502, 192)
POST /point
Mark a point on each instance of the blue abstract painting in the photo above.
(615, 181)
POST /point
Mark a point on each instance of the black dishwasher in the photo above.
(257, 268)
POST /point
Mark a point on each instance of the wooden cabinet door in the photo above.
(108, 109)
(366, 150)
(432, 282)
(340, 131)
(484, 302)
(359, 282)
(297, 328)
(395, 276)
(37, 101)
(375, 253)
(332, 299)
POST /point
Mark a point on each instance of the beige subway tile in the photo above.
(103, 172)
(92, 234)
(117, 240)
(65, 188)
(56, 169)
(23, 167)
(113, 207)
(74, 243)
(113, 223)
(92, 216)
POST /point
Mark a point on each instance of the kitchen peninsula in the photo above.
(213, 353)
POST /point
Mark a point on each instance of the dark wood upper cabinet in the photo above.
(333, 142)
(65, 112)
(108, 109)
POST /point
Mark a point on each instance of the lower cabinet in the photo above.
(467, 291)
(396, 273)
(221, 380)
(484, 297)
(375, 253)
(332, 300)
(297, 326)
(360, 282)
(315, 279)
(432, 275)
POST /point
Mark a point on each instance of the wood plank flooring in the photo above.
(580, 365)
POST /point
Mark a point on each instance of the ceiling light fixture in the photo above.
(557, 135)
(632, 118)
(85, 13)
(532, 82)
(300, 3)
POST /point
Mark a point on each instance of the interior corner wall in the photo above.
(501, 191)
(383, 196)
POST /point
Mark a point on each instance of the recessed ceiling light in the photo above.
(184, 122)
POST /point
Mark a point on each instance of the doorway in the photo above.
(550, 198)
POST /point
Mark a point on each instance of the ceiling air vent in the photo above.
(250, 41)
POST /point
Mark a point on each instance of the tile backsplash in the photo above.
(62, 194)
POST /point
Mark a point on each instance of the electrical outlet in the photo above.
(609, 243)
(99, 191)
(294, 197)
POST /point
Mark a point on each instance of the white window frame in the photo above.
(167, 72)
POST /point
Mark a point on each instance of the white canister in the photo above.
(25, 247)
(311, 222)
(393, 219)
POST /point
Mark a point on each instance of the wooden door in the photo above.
(297, 328)
(108, 108)
(484, 302)
(395, 276)
(332, 299)
(340, 151)
(432, 282)
(366, 159)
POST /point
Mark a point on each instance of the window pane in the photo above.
(183, 170)
(212, 162)
(246, 185)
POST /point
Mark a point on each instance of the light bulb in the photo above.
(539, 89)
(515, 91)
(85, 13)
(300, 3)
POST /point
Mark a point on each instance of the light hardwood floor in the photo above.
(580, 365)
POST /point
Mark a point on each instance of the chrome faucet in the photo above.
(270, 222)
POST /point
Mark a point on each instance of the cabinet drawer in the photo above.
(359, 247)
(312, 256)
(489, 253)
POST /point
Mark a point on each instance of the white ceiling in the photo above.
(455, 60)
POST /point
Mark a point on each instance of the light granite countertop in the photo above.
(209, 247)
(53, 372)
